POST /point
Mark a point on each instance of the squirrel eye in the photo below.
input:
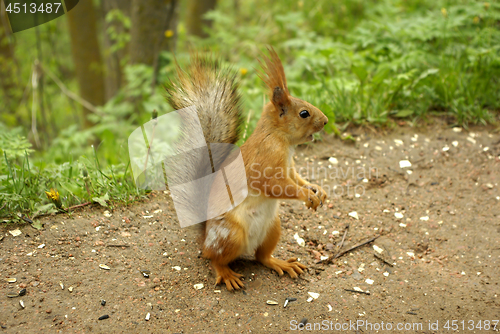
(304, 114)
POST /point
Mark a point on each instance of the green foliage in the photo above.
(372, 62)
(361, 62)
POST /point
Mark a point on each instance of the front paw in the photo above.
(320, 192)
(311, 199)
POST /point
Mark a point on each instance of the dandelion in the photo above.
(444, 12)
(53, 195)
(475, 20)
(243, 71)
(486, 5)
(169, 33)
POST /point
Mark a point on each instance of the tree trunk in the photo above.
(152, 21)
(7, 64)
(194, 20)
(113, 59)
(86, 55)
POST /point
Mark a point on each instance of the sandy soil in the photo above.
(439, 260)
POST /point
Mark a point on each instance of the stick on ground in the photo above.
(331, 258)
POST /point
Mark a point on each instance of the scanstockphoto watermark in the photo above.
(335, 181)
(358, 325)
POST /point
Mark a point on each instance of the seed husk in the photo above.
(22, 304)
(102, 317)
(272, 302)
(61, 285)
(148, 316)
(103, 302)
(303, 322)
(11, 280)
(70, 289)
(145, 273)
(105, 267)
(12, 295)
(22, 292)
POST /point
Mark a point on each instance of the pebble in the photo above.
(404, 164)
(314, 295)
(354, 215)
(300, 241)
(357, 276)
(15, 232)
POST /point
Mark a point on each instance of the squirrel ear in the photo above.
(280, 100)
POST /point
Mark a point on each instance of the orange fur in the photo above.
(254, 225)
(272, 72)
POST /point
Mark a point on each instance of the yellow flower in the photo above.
(476, 19)
(486, 5)
(169, 33)
(243, 71)
(53, 195)
(444, 12)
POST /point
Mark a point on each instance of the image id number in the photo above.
(33, 8)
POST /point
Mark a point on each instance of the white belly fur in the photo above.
(256, 214)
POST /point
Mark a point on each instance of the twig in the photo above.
(342, 242)
(365, 292)
(26, 219)
(34, 85)
(117, 245)
(383, 260)
(246, 124)
(69, 93)
(79, 205)
(331, 258)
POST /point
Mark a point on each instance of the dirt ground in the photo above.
(435, 267)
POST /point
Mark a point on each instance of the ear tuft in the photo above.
(273, 76)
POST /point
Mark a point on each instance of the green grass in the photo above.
(363, 62)
(23, 183)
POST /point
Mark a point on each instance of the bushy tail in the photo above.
(212, 89)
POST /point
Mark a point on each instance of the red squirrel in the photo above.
(253, 226)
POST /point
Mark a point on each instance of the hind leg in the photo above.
(223, 244)
(264, 253)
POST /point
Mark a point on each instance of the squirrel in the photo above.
(253, 226)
